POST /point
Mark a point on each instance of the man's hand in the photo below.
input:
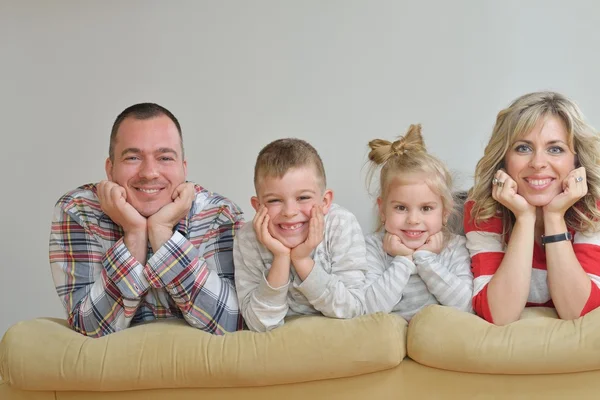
(113, 201)
(393, 246)
(574, 188)
(261, 223)
(161, 224)
(434, 243)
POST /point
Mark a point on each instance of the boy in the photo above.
(302, 254)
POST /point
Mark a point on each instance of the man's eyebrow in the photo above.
(131, 150)
(161, 150)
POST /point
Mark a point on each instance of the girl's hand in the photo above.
(434, 244)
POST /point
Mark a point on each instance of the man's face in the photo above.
(148, 162)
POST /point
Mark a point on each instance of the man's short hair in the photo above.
(278, 157)
(141, 111)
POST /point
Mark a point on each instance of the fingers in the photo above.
(259, 220)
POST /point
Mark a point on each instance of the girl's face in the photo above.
(411, 210)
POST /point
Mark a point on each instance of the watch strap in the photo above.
(556, 238)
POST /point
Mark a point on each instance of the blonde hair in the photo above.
(279, 156)
(409, 155)
(518, 120)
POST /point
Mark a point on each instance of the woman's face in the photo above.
(540, 161)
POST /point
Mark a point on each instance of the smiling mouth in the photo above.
(539, 183)
(291, 227)
(148, 191)
(414, 234)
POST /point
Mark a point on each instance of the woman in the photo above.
(531, 220)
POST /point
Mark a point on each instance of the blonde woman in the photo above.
(531, 220)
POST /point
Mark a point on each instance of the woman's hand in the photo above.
(504, 191)
(574, 188)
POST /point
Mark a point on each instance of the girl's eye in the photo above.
(400, 208)
(522, 148)
(555, 150)
(427, 208)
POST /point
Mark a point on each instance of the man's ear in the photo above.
(184, 170)
(381, 207)
(327, 200)
(108, 169)
(255, 203)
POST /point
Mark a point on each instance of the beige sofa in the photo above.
(443, 353)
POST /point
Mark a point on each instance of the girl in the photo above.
(413, 259)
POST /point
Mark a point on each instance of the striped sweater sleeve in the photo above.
(448, 275)
(486, 248)
(387, 276)
(587, 251)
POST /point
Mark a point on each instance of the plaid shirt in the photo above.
(104, 289)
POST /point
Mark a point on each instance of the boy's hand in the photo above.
(261, 223)
(393, 246)
(315, 236)
(113, 201)
(434, 243)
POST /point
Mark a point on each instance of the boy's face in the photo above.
(289, 201)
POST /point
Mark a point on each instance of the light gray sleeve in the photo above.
(387, 277)
(263, 307)
(339, 293)
(448, 275)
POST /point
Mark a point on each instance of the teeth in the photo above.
(148, 190)
(291, 227)
(539, 182)
(413, 233)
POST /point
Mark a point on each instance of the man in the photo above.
(145, 244)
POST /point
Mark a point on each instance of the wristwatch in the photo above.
(556, 238)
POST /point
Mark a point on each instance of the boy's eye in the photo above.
(523, 148)
(555, 150)
(271, 201)
(303, 198)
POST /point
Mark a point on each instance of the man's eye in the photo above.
(132, 158)
(166, 159)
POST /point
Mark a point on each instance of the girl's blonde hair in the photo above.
(518, 120)
(409, 155)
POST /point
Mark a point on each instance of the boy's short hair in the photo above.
(279, 156)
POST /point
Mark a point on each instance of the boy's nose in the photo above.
(289, 209)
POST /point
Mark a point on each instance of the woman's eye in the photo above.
(522, 148)
(555, 150)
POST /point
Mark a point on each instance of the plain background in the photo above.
(239, 74)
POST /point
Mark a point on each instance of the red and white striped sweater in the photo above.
(486, 247)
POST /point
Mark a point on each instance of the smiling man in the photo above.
(145, 244)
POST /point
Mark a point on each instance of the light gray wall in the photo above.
(239, 74)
